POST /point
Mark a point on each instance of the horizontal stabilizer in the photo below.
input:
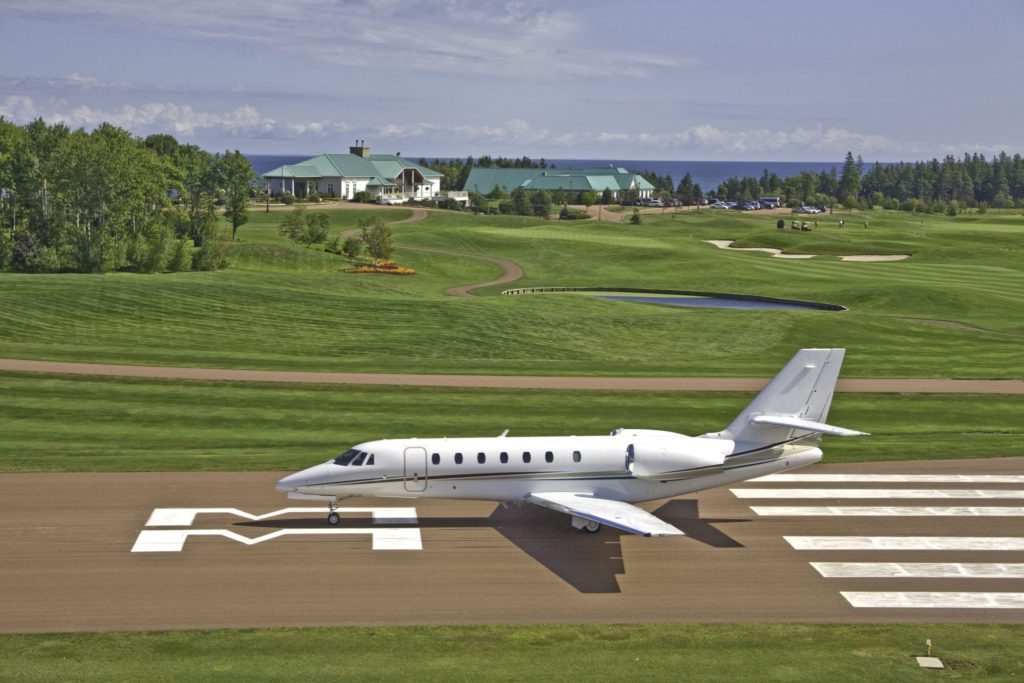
(809, 425)
(616, 513)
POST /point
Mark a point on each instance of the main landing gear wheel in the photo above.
(333, 518)
(592, 527)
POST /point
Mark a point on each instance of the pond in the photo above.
(707, 302)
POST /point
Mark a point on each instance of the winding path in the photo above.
(888, 386)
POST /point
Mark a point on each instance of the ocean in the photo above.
(707, 173)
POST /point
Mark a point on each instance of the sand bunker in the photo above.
(777, 253)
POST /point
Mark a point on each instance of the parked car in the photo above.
(808, 209)
(770, 202)
(718, 205)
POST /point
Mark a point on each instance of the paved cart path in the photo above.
(887, 385)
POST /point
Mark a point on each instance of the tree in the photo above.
(849, 182)
(635, 218)
(607, 197)
(235, 178)
(685, 190)
(376, 235)
(520, 202)
(541, 203)
(588, 198)
(478, 202)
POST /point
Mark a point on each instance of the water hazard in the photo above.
(707, 302)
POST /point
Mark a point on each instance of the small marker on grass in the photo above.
(929, 662)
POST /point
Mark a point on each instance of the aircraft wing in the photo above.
(614, 513)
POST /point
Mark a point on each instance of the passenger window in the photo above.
(458, 458)
(503, 457)
(369, 460)
(436, 458)
(576, 456)
(481, 458)
(549, 457)
(359, 459)
(526, 456)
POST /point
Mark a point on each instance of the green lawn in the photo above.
(53, 423)
(665, 652)
(280, 306)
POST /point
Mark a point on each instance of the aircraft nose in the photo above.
(289, 483)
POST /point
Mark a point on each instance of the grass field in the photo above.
(743, 652)
(101, 424)
(955, 309)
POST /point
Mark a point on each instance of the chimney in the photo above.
(360, 149)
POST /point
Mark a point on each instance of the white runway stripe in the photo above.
(894, 478)
(854, 511)
(918, 570)
(902, 600)
(1005, 543)
(876, 493)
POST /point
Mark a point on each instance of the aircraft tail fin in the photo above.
(794, 403)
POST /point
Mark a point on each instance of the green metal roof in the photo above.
(484, 180)
(349, 166)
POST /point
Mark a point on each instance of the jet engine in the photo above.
(668, 457)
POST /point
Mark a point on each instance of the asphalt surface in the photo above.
(66, 560)
(888, 385)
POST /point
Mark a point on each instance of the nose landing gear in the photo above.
(333, 517)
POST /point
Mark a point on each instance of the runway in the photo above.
(144, 551)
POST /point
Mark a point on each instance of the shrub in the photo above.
(210, 256)
(287, 198)
(364, 198)
(352, 246)
(333, 245)
(181, 257)
(567, 214)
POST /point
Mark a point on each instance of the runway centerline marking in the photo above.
(894, 478)
(934, 600)
(998, 543)
(855, 511)
(918, 570)
(186, 516)
(877, 493)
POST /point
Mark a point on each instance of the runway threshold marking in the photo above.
(173, 540)
(877, 493)
(893, 478)
(856, 511)
(934, 600)
(918, 570)
(186, 516)
(996, 543)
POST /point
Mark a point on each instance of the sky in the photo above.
(800, 80)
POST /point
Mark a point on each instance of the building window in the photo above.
(503, 457)
(549, 457)
(481, 458)
(458, 458)
(436, 458)
(576, 456)
(526, 456)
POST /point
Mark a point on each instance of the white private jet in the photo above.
(596, 479)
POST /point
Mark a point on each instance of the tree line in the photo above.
(102, 201)
(948, 185)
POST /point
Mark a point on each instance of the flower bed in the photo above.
(389, 267)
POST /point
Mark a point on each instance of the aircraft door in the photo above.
(415, 469)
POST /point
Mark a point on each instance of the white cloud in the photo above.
(486, 37)
(166, 117)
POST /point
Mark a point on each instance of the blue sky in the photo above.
(780, 80)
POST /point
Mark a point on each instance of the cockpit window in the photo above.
(359, 459)
(346, 457)
(369, 461)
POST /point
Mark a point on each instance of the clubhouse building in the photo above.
(388, 176)
(617, 180)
